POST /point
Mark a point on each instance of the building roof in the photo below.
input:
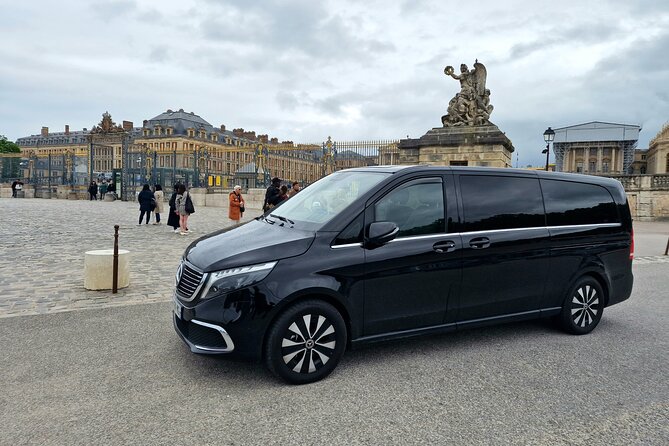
(597, 131)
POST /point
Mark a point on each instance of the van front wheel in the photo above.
(306, 342)
(583, 307)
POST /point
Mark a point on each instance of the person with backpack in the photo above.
(272, 195)
(185, 208)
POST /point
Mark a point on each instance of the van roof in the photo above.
(593, 179)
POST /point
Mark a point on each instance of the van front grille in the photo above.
(189, 280)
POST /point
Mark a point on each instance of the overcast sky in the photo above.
(304, 70)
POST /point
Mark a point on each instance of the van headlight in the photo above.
(227, 280)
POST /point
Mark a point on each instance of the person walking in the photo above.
(146, 199)
(159, 197)
(236, 204)
(14, 185)
(103, 189)
(294, 190)
(173, 218)
(111, 187)
(272, 195)
(184, 208)
(93, 191)
(283, 195)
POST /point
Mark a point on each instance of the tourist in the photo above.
(272, 195)
(111, 188)
(93, 191)
(185, 207)
(236, 204)
(159, 197)
(173, 218)
(146, 199)
(295, 189)
(283, 195)
(103, 189)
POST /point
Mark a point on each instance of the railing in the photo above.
(643, 182)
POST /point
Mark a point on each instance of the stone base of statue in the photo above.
(483, 145)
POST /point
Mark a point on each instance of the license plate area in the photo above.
(178, 310)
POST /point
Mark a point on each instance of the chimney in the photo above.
(239, 133)
(127, 126)
(274, 140)
(250, 135)
(67, 129)
(263, 139)
(45, 131)
(222, 127)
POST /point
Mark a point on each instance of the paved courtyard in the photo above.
(44, 241)
(43, 244)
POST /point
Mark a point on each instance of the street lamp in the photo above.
(549, 136)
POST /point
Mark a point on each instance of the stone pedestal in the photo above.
(463, 145)
(99, 269)
(110, 196)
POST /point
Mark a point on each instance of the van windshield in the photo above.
(317, 204)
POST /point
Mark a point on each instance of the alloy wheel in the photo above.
(585, 306)
(309, 343)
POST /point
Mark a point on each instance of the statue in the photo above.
(471, 106)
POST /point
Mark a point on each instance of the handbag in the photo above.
(190, 209)
(241, 208)
(153, 204)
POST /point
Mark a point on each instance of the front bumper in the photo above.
(201, 337)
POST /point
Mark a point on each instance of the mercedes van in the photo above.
(378, 253)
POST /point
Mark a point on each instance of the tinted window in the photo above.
(416, 207)
(570, 203)
(496, 202)
(352, 233)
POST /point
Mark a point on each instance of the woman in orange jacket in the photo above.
(236, 205)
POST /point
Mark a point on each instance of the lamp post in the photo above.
(549, 136)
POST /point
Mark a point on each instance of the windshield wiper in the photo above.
(287, 220)
(271, 222)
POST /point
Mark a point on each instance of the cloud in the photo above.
(110, 10)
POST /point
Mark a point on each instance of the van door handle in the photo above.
(446, 246)
(479, 242)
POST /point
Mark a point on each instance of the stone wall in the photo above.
(648, 195)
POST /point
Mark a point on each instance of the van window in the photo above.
(569, 203)
(500, 202)
(352, 233)
(416, 207)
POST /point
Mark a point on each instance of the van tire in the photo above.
(306, 342)
(583, 307)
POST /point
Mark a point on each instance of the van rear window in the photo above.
(570, 203)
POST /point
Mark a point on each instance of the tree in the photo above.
(10, 165)
(7, 146)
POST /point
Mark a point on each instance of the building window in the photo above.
(592, 166)
(605, 166)
(458, 163)
(579, 167)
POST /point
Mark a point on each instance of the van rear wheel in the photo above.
(583, 307)
(306, 342)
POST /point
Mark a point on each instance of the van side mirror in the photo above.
(380, 233)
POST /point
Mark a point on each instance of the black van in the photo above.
(378, 253)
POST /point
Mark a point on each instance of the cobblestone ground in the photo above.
(42, 246)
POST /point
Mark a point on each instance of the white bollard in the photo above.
(98, 269)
